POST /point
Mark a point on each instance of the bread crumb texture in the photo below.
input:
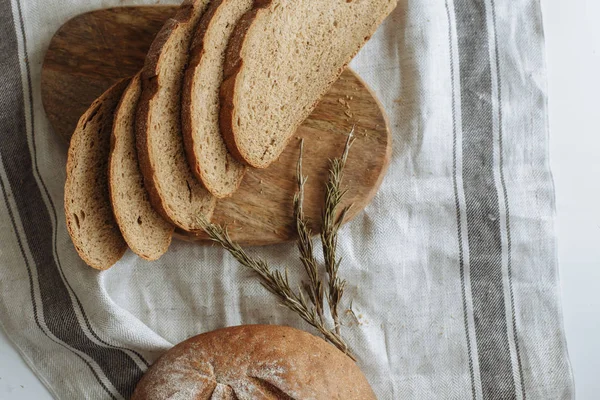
(291, 55)
(144, 230)
(90, 220)
(207, 152)
(175, 192)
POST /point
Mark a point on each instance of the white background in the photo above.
(573, 53)
(573, 49)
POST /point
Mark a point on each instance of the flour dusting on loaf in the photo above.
(255, 362)
(178, 375)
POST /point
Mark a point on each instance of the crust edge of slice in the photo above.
(150, 88)
(231, 68)
(166, 228)
(74, 146)
(196, 54)
(233, 65)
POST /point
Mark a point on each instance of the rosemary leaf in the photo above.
(314, 287)
(331, 225)
(276, 283)
(308, 300)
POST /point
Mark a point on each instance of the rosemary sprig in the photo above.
(314, 287)
(309, 309)
(329, 235)
(277, 283)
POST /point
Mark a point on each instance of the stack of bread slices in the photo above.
(225, 85)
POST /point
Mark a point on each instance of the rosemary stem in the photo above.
(308, 301)
(329, 235)
(314, 287)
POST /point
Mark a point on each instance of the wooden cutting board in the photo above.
(93, 50)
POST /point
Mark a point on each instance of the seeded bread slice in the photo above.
(146, 233)
(88, 211)
(206, 150)
(174, 190)
(283, 57)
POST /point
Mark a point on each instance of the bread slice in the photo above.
(206, 150)
(144, 230)
(89, 215)
(174, 190)
(282, 59)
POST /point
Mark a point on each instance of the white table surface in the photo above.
(573, 48)
(573, 53)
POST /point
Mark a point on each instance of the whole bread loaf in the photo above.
(283, 57)
(206, 150)
(146, 233)
(254, 362)
(174, 190)
(90, 220)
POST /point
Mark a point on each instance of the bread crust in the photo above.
(234, 64)
(196, 54)
(184, 15)
(231, 68)
(150, 87)
(111, 95)
(132, 241)
(254, 362)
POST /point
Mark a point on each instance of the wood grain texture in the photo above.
(92, 51)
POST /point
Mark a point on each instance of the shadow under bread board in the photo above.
(92, 51)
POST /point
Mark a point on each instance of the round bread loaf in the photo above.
(254, 362)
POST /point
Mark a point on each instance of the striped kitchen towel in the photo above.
(452, 268)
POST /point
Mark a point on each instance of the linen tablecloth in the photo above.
(452, 268)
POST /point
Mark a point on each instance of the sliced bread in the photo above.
(206, 150)
(283, 57)
(144, 230)
(90, 219)
(174, 190)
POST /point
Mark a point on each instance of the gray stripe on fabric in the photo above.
(51, 202)
(31, 291)
(457, 200)
(11, 112)
(484, 236)
(506, 203)
(57, 309)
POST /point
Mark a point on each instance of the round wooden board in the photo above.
(94, 50)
